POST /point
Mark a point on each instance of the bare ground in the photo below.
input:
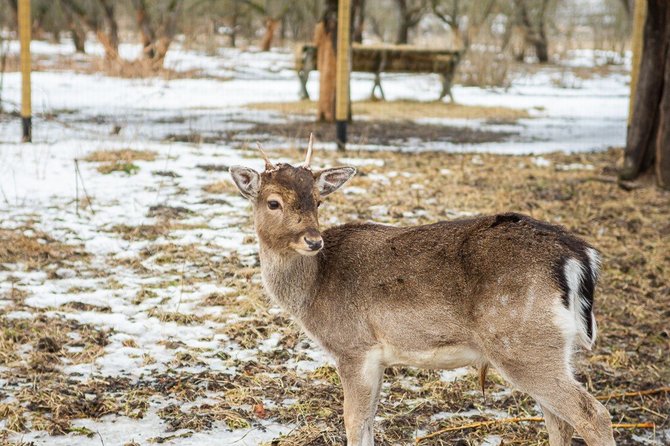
(631, 226)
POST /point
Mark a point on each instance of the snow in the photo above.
(37, 186)
(108, 429)
(569, 113)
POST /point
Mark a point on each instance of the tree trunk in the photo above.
(112, 24)
(78, 39)
(403, 23)
(648, 142)
(109, 42)
(156, 40)
(628, 6)
(541, 43)
(14, 19)
(283, 25)
(403, 32)
(325, 38)
(534, 36)
(14, 6)
(147, 33)
(233, 24)
(358, 20)
(167, 31)
(541, 46)
(76, 31)
(270, 29)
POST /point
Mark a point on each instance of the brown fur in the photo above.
(467, 292)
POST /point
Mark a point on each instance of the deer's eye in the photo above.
(273, 205)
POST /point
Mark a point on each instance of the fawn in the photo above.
(503, 290)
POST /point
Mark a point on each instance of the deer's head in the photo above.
(286, 199)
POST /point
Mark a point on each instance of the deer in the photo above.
(505, 290)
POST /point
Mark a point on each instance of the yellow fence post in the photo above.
(637, 41)
(343, 69)
(24, 36)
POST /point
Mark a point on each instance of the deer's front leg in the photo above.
(361, 379)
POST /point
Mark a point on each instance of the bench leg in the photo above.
(378, 84)
(446, 87)
(303, 77)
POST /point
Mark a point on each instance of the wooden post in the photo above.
(343, 70)
(24, 36)
(637, 46)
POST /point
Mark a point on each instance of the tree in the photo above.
(410, 14)
(14, 6)
(100, 18)
(534, 27)
(464, 17)
(628, 6)
(357, 20)
(77, 31)
(273, 13)
(648, 141)
(157, 29)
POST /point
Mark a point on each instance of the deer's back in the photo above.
(415, 278)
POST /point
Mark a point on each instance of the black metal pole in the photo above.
(341, 134)
(27, 124)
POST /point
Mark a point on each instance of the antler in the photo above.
(310, 149)
(268, 164)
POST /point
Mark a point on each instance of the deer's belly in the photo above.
(449, 357)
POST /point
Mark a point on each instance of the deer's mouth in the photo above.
(306, 253)
(308, 245)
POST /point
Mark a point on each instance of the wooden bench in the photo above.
(379, 59)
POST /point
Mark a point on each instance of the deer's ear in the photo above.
(248, 181)
(330, 180)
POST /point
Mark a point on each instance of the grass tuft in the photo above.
(123, 155)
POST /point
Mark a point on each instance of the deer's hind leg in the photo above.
(560, 432)
(562, 399)
(535, 358)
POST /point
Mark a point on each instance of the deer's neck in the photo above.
(290, 280)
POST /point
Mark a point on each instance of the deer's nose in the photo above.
(314, 244)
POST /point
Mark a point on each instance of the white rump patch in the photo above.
(574, 276)
(594, 263)
(567, 324)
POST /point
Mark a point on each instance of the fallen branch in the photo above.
(638, 393)
(479, 424)
(646, 425)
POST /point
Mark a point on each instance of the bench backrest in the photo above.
(387, 59)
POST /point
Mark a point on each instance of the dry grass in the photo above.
(632, 353)
(403, 110)
(13, 415)
(51, 341)
(123, 155)
(36, 249)
(221, 187)
(142, 232)
(118, 166)
(92, 64)
(174, 316)
(119, 160)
